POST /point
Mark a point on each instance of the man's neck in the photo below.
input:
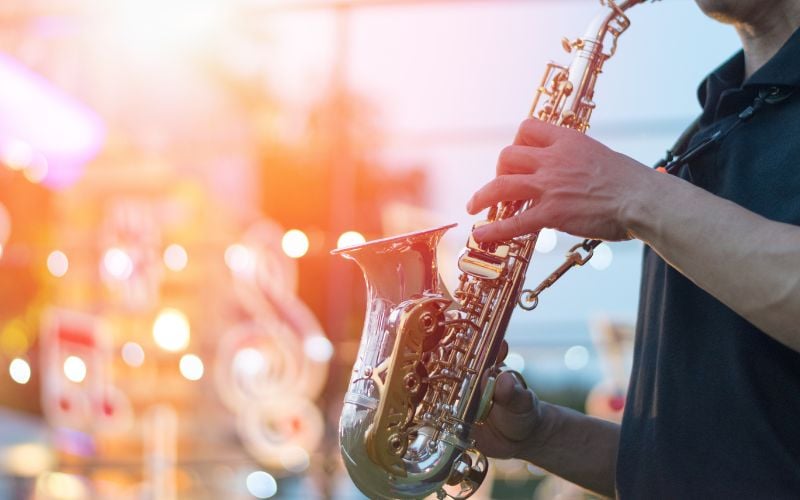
(766, 33)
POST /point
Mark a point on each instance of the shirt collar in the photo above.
(720, 92)
(782, 70)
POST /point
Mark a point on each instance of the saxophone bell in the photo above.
(386, 455)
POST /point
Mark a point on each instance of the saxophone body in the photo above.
(416, 387)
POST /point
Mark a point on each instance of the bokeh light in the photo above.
(576, 357)
(350, 238)
(27, 459)
(132, 354)
(171, 330)
(191, 367)
(295, 243)
(240, 259)
(20, 371)
(602, 258)
(117, 263)
(261, 484)
(249, 362)
(546, 241)
(75, 369)
(318, 348)
(57, 263)
(175, 257)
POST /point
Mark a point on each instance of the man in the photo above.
(713, 409)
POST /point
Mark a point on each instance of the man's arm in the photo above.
(578, 448)
(749, 263)
(567, 443)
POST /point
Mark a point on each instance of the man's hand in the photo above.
(509, 430)
(579, 186)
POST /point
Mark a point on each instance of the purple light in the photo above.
(65, 132)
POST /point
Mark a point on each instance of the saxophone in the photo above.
(416, 387)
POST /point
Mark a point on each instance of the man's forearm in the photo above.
(579, 448)
(749, 263)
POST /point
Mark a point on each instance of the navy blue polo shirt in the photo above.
(713, 408)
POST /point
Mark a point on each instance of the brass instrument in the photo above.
(415, 390)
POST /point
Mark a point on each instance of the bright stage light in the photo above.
(132, 354)
(260, 484)
(295, 243)
(191, 367)
(117, 263)
(20, 371)
(175, 257)
(171, 330)
(74, 369)
(350, 238)
(57, 263)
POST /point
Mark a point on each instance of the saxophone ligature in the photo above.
(416, 390)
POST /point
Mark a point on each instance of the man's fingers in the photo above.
(517, 159)
(503, 188)
(511, 394)
(533, 132)
(529, 221)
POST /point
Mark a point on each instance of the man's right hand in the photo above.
(513, 421)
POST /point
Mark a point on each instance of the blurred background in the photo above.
(174, 173)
